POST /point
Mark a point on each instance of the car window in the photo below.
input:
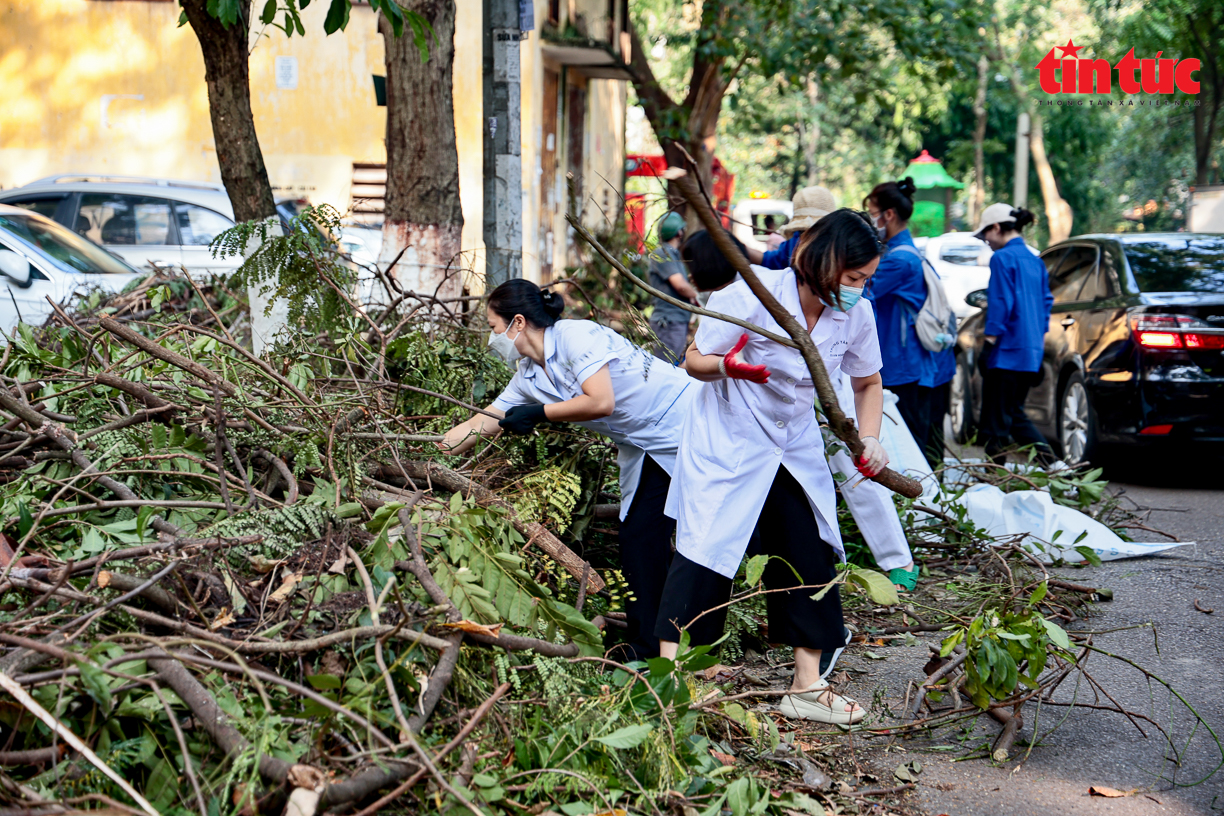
(199, 226)
(124, 220)
(1077, 266)
(961, 254)
(1194, 264)
(43, 205)
(63, 245)
(1100, 285)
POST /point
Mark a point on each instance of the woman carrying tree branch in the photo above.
(579, 371)
(752, 456)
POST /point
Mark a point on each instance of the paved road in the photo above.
(1100, 748)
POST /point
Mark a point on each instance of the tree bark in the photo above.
(690, 125)
(228, 76)
(1058, 211)
(977, 201)
(811, 133)
(1205, 115)
(424, 216)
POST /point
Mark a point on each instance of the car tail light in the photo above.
(1157, 430)
(1173, 331)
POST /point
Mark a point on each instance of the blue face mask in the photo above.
(847, 297)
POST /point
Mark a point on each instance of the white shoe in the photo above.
(807, 706)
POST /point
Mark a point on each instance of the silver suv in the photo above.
(146, 222)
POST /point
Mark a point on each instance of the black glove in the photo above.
(522, 418)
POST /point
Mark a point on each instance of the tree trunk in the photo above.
(227, 73)
(424, 217)
(1058, 211)
(811, 134)
(977, 199)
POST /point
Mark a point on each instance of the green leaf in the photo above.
(1057, 635)
(25, 522)
(1038, 594)
(337, 17)
(323, 681)
(95, 685)
(1089, 555)
(630, 736)
(755, 569)
(737, 796)
(157, 433)
(269, 12)
(876, 586)
(142, 519)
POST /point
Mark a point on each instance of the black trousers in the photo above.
(645, 553)
(914, 405)
(938, 400)
(787, 529)
(1003, 416)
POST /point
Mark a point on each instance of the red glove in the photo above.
(873, 459)
(736, 370)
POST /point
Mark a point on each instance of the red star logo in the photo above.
(1070, 49)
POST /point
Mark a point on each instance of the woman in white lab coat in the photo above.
(752, 457)
(581, 372)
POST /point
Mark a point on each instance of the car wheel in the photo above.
(1076, 422)
(960, 402)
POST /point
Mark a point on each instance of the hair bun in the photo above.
(907, 187)
(554, 304)
(1023, 217)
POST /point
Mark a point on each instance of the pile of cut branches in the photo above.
(235, 584)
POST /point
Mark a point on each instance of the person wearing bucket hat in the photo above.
(668, 321)
(810, 205)
(1017, 315)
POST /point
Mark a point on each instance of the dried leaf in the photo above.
(263, 564)
(307, 776)
(715, 670)
(226, 618)
(340, 564)
(476, 628)
(1111, 793)
(725, 759)
(288, 583)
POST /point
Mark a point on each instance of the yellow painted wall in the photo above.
(118, 88)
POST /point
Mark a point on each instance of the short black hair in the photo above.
(708, 268)
(844, 239)
(894, 195)
(1021, 218)
(517, 296)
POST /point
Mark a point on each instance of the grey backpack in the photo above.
(934, 323)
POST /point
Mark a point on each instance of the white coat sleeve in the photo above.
(862, 358)
(718, 336)
(585, 347)
(512, 396)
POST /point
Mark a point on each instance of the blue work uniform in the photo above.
(898, 291)
(1018, 307)
(780, 258)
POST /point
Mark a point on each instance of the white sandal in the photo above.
(807, 706)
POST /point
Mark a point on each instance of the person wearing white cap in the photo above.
(1017, 316)
(810, 205)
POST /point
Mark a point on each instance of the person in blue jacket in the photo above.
(1017, 316)
(936, 384)
(897, 292)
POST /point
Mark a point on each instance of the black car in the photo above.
(1135, 349)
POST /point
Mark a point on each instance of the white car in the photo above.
(40, 259)
(147, 222)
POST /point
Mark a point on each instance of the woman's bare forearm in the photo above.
(465, 435)
(703, 367)
(868, 404)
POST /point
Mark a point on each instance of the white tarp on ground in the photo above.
(1032, 513)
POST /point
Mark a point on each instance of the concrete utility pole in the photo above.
(1020, 183)
(504, 23)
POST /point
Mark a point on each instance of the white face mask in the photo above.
(881, 227)
(502, 346)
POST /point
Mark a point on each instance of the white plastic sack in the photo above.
(904, 455)
(1055, 527)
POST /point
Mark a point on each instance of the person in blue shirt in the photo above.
(809, 205)
(936, 381)
(1017, 316)
(668, 321)
(898, 291)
